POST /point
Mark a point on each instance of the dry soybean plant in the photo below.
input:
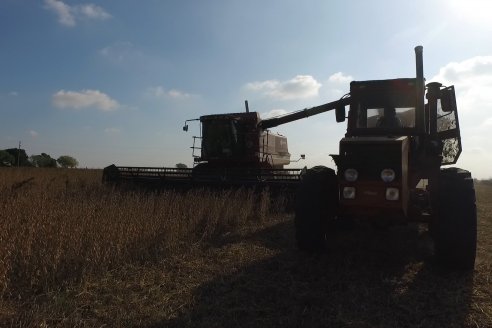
(57, 226)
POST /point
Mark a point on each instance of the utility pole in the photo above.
(18, 154)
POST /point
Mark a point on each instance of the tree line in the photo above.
(18, 157)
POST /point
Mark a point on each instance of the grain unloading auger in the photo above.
(236, 150)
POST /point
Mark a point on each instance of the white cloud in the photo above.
(121, 52)
(69, 15)
(299, 87)
(84, 99)
(341, 78)
(337, 85)
(13, 93)
(472, 79)
(459, 72)
(173, 93)
(273, 113)
(93, 12)
(131, 57)
(163, 93)
(63, 11)
(33, 133)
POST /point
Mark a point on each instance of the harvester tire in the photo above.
(316, 205)
(456, 227)
(111, 174)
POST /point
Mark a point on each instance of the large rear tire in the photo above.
(456, 228)
(316, 205)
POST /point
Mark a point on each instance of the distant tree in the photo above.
(20, 157)
(35, 160)
(181, 166)
(67, 161)
(43, 160)
(6, 159)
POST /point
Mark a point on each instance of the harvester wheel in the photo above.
(111, 174)
(456, 227)
(316, 204)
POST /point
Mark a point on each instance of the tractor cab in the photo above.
(236, 140)
(384, 107)
(389, 108)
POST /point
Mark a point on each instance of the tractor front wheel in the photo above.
(316, 205)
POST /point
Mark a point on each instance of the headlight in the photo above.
(392, 194)
(388, 175)
(348, 192)
(351, 175)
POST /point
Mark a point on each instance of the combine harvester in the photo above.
(236, 150)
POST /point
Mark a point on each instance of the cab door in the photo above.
(448, 127)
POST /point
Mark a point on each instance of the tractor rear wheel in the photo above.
(316, 205)
(456, 227)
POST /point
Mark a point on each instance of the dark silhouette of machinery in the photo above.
(234, 149)
(389, 169)
(400, 132)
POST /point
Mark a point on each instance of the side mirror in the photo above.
(340, 113)
(185, 128)
(448, 99)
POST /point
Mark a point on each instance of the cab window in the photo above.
(386, 117)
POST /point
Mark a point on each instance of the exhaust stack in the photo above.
(419, 61)
(420, 111)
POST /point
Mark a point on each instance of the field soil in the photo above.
(229, 261)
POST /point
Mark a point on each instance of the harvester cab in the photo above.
(399, 134)
(236, 140)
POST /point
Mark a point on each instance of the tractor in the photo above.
(400, 134)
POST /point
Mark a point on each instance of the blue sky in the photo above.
(113, 81)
